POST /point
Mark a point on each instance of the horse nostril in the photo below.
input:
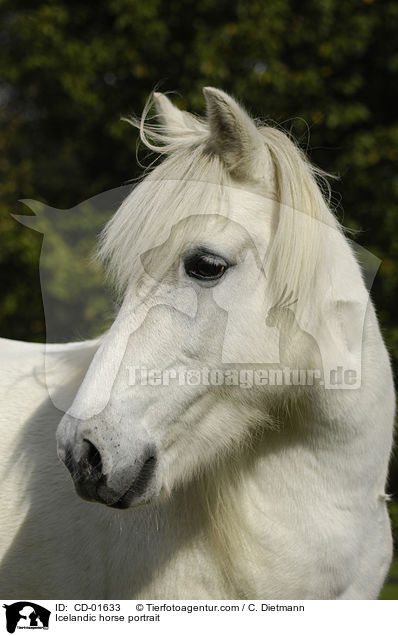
(90, 461)
(139, 485)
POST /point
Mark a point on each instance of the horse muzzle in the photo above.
(115, 480)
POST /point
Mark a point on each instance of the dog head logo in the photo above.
(26, 615)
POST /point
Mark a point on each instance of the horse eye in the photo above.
(205, 266)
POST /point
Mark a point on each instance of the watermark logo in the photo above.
(272, 336)
(26, 615)
(244, 378)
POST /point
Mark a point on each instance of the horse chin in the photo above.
(131, 500)
(125, 502)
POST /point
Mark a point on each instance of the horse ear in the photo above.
(174, 119)
(233, 133)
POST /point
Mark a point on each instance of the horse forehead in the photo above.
(245, 207)
(252, 217)
(231, 214)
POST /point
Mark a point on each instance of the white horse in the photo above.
(212, 489)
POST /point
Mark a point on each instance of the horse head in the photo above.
(229, 220)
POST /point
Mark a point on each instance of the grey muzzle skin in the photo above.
(102, 472)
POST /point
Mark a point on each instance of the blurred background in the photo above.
(325, 70)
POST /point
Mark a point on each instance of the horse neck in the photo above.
(231, 504)
(226, 514)
(213, 514)
(224, 521)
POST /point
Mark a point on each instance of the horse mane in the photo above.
(189, 177)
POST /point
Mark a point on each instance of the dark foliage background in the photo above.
(324, 69)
